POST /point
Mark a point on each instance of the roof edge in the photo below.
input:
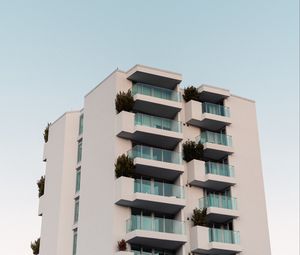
(153, 68)
(106, 78)
(61, 116)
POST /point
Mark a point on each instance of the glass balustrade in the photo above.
(158, 188)
(148, 223)
(219, 169)
(220, 201)
(224, 236)
(142, 253)
(141, 151)
(215, 109)
(217, 138)
(154, 252)
(148, 90)
(157, 122)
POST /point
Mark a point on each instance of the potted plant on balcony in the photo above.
(124, 166)
(41, 185)
(122, 246)
(35, 246)
(191, 93)
(192, 150)
(199, 217)
(46, 132)
(124, 101)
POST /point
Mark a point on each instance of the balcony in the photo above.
(220, 208)
(154, 76)
(210, 175)
(41, 205)
(155, 232)
(212, 94)
(153, 100)
(155, 162)
(150, 130)
(215, 241)
(207, 115)
(45, 152)
(216, 146)
(149, 195)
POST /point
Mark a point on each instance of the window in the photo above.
(74, 242)
(81, 124)
(76, 210)
(78, 177)
(79, 152)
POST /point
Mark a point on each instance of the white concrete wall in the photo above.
(249, 189)
(102, 223)
(121, 214)
(58, 204)
(97, 176)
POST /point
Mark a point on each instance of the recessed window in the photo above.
(81, 124)
(78, 177)
(74, 242)
(76, 210)
(79, 152)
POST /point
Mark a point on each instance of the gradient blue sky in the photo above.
(53, 52)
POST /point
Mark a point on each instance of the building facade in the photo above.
(196, 186)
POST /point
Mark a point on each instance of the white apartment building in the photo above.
(86, 210)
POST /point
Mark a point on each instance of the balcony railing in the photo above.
(148, 90)
(141, 151)
(157, 122)
(219, 169)
(220, 201)
(158, 188)
(155, 252)
(217, 138)
(224, 236)
(216, 109)
(137, 222)
(142, 253)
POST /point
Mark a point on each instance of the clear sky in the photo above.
(53, 52)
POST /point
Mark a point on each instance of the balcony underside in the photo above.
(163, 81)
(157, 107)
(220, 215)
(211, 97)
(212, 94)
(156, 239)
(164, 206)
(216, 151)
(213, 251)
(152, 137)
(158, 169)
(213, 123)
(210, 183)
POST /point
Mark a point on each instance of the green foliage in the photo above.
(124, 101)
(199, 217)
(124, 166)
(122, 245)
(192, 150)
(191, 93)
(35, 246)
(41, 185)
(46, 132)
